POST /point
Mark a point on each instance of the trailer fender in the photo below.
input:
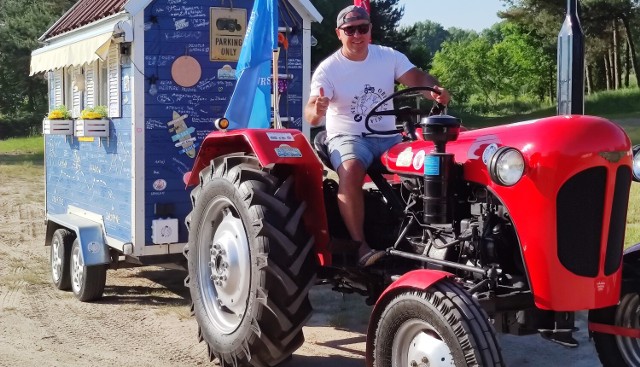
(93, 248)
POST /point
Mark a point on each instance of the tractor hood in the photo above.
(569, 208)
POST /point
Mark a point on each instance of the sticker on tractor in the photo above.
(432, 165)
(488, 152)
(476, 149)
(280, 136)
(404, 158)
(418, 160)
(285, 151)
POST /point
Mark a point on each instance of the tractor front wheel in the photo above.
(616, 350)
(439, 326)
(251, 263)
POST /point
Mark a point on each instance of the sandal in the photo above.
(370, 258)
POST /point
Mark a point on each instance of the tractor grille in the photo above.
(615, 241)
(580, 204)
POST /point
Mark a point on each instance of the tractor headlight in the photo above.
(506, 166)
(636, 162)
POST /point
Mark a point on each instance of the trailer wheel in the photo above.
(615, 350)
(251, 263)
(60, 252)
(440, 326)
(87, 282)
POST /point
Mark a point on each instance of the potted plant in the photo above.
(94, 113)
(93, 121)
(58, 122)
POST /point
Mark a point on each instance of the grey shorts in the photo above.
(346, 147)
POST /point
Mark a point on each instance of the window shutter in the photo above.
(76, 98)
(90, 85)
(57, 90)
(113, 80)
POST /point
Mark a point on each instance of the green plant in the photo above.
(59, 113)
(94, 113)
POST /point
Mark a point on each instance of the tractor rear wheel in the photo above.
(616, 350)
(251, 263)
(440, 326)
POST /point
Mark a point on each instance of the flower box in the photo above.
(87, 127)
(57, 127)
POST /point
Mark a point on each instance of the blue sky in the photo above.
(466, 14)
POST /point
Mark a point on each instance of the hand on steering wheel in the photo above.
(438, 108)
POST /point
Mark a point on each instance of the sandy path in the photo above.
(143, 320)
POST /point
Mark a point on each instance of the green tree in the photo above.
(425, 39)
(385, 17)
(22, 22)
(505, 64)
(599, 19)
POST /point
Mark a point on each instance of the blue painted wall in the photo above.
(94, 176)
(175, 28)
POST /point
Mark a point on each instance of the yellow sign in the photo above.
(86, 138)
(228, 27)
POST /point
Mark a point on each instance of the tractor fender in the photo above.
(276, 147)
(416, 279)
(93, 248)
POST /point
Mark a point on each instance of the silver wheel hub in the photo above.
(416, 344)
(628, 315)
(77, 269)
(225, 267)
(56, 260)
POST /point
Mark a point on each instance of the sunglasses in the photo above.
(352, 29)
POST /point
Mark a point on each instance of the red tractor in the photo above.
(508, 229)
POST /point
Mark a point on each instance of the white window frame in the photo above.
(101, 85)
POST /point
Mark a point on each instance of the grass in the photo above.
(31, 145)
(621, 104)
(632, 235)
(22, 151)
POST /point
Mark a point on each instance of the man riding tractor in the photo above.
(507, 229)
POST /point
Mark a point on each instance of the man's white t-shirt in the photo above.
(355, 87)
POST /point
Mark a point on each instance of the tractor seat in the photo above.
(320, 144)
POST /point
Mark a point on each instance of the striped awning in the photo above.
(56, 56)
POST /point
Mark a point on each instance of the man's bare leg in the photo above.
(351, 201)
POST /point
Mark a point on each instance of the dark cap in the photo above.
(360, 14)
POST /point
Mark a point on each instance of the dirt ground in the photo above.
(143, 319)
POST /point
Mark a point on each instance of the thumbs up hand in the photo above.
(321, 104)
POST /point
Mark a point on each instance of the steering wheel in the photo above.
(437, 108)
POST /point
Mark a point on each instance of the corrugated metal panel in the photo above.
(83, 13)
